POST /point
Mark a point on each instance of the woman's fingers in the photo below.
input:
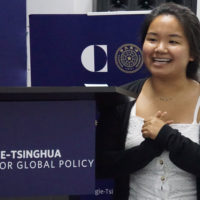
(158, 114)
(169, 122)
(153, 124)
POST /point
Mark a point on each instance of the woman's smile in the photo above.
(161, 61)
(166, 49)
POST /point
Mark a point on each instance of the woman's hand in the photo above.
(152, 126)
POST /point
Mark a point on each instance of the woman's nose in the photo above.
(161, 48)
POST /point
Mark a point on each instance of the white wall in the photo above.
(58, 6)
(198, 9)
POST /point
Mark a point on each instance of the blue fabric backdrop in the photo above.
(77, 49)
(13, 42)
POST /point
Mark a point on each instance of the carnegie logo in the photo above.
(94, 58)
(128, 58)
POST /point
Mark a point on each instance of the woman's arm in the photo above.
(111, 157)
(183, 152)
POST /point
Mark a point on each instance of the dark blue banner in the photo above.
(78, 49)
(13, 43)
(47, 148)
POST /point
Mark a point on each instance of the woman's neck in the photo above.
(167, 88)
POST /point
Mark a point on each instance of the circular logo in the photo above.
(128, 58)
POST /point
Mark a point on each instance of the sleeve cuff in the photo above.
(163, 136)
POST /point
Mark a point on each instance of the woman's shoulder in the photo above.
(135, 86)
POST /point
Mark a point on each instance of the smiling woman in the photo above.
(151, 146)
(166, 49)
(190, 26)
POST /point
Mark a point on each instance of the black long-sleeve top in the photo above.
(113, 161)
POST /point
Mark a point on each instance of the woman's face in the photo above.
(166, 50)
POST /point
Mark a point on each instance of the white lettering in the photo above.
(35, 164)
(13, 152)
(57, 154)
(24, 154)
(75, 163)
(3, 154)
(5, 165)
(91, 162)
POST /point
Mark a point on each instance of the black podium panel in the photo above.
(47, 140)
(61, 93)
(103, 96)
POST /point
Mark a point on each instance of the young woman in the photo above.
(151, 146)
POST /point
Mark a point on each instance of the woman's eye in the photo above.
(173, 42)
(151, 39)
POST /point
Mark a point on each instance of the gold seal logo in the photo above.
(128, 58)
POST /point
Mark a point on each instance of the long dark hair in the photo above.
(191, 27)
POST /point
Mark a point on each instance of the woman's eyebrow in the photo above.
(175, 35)
(151, 33)
(170, 35)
